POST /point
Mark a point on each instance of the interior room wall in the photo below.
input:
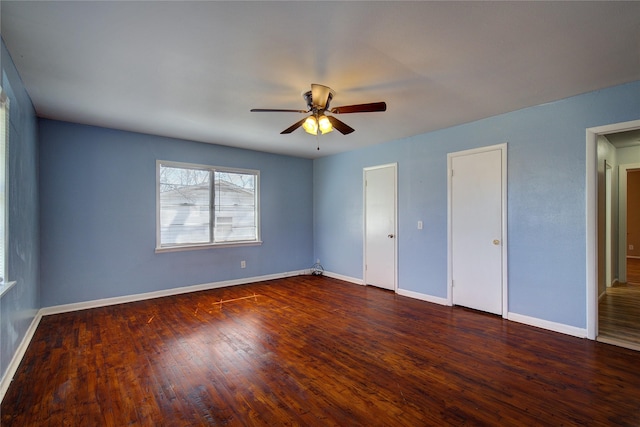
(546, 201)
(607, 152)
(633, 213)
(19, 305)
(98, 215)
(628, 158)
(629, 155)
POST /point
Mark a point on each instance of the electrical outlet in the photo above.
(243, 264)
(318, 261)
(630, 247)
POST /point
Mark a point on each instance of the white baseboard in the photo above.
(423, 297)
(18, 355)
(546, 324)
(165, 293)
(345, 278)
(531, 321)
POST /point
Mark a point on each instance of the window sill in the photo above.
(5, 286)
(207, 246)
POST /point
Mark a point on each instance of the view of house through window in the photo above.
(202, 205)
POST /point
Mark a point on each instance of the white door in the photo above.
(380, 226)
(477, 228)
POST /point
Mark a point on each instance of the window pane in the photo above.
(201, 205)
(184, 206)
(235, 207)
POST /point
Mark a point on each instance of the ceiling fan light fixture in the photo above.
(325, 125)
(318, 99)
(310, 125)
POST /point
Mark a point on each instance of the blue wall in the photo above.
(98, 215)
(546, 201)
(20, 304)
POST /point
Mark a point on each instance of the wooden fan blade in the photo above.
(275, 110)
(360, 108)
(293, 126)
(320, 95)
(342, 127)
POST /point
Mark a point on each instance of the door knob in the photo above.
(496, 242)
(390, 236)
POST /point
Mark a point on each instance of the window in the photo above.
(4, 144)
(204, 206)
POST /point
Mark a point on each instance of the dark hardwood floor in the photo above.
(313, 351)
(619, 310)
(619, 316)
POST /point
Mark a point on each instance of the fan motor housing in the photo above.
(308, 98)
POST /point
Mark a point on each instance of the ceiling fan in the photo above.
(318, 100)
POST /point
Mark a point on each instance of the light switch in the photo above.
(419, 225)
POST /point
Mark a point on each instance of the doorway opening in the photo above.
(613, 301)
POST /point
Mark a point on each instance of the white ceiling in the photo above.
(193, 70)
(624, 139)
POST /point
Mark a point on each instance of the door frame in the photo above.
(622, 215)
(505, 285)
(591, 214)
(608, 227)
(395, 222)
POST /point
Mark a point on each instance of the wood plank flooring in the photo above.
(313, 351)
(633, 271)
(619, 316)
(619, 310)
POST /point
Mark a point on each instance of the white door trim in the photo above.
(364, 222)
(591, 213)
(503, 150)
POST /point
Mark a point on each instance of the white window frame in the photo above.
(211, 244)
(5, 284)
